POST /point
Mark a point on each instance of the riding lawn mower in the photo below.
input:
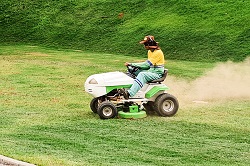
(108, 103)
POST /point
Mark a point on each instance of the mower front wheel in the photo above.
(107, 110)
(94, 105)
(166, 105)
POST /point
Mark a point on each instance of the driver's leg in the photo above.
(141, 79)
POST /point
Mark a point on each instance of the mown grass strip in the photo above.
(46, 119)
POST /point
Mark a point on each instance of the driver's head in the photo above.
(149, 42)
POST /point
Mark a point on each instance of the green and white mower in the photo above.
(109, 103)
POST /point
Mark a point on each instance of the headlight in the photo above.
(93, 81)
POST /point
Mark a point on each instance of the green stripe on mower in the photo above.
(133, 113)
(110, 88)
(155, 90)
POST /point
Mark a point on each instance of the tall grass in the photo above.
(204, 30)
(46, 119)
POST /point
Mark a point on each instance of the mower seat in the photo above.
(160, 79)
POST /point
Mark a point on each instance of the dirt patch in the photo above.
(37, 54)
(226, 81)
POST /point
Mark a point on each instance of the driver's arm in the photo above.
(143, 65)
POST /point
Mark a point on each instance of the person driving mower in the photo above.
(151, 69)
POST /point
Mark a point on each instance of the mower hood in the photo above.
(98, 84)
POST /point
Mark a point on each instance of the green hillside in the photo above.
(204, 30)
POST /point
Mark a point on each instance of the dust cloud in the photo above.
(226, 81)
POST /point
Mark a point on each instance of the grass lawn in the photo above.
(46, 119)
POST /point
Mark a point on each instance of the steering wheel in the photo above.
(131, 70)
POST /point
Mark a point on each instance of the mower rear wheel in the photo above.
(94, 105)
(166, 105)
(107, 110)
(149, 107)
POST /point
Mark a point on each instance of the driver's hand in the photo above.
(126, 64)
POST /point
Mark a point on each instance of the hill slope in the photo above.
(206, 30)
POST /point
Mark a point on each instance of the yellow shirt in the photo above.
(156, 58)
(154, 63)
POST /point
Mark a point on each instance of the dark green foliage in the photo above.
(206, 30)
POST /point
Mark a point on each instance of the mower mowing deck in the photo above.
(133, 113)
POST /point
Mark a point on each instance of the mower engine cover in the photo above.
(100, 84)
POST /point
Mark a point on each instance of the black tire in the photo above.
(94, 105)
(149, 107)
(166, 105)
(107, 110)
